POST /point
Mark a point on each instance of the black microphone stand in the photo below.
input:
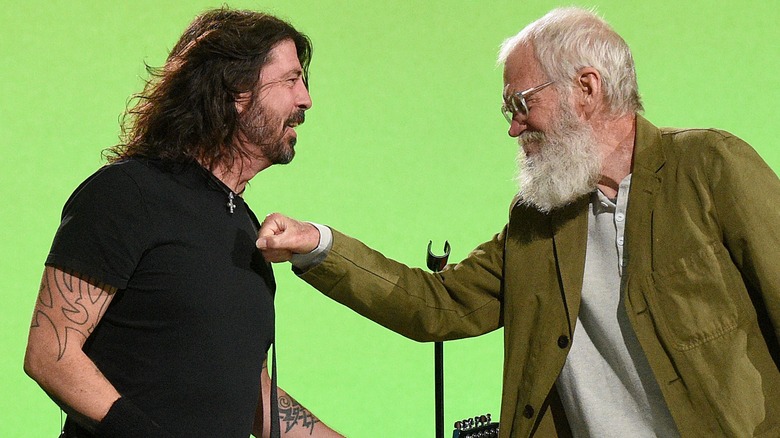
(436, 264)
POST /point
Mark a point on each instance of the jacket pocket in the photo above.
(698, 297)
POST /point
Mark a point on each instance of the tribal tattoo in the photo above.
(71, 305)
(293, 414)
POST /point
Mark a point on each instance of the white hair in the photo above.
(568, 39)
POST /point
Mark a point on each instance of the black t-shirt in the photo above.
(185, 335)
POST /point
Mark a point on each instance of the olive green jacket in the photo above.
(701, 288)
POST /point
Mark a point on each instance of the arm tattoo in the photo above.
(74, 297)
(293, 414)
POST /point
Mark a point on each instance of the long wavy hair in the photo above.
(187, 109)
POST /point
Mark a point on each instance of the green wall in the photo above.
(404, 144)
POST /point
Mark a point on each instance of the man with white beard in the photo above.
(651, 306)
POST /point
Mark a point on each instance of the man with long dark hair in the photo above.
(155, 313)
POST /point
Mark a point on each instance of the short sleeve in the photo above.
(104, 228)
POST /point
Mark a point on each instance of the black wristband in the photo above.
(126, 420)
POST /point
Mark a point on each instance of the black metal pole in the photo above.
(436, 264)
(438, 361)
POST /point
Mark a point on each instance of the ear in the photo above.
(588, 92)
(242, 101)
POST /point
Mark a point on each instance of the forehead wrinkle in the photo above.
(522, 65)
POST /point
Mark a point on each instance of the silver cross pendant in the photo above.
(231, 206)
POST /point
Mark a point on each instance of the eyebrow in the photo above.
(284, 75)
(296, 71)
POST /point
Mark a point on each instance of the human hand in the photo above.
(280, 237)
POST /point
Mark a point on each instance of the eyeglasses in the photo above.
(516, 103)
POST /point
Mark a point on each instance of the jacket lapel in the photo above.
(645, 184)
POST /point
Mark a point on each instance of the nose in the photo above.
(304, 99)
(518, 125)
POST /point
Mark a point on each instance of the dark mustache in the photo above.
(298, 117)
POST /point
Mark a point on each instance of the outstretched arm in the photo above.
(415, 303)
(294, 419)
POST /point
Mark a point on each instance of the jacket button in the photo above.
(563, 341)
(528, 412)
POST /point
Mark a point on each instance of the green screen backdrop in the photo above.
(404, 144)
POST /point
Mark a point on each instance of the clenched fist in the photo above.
(280, 237)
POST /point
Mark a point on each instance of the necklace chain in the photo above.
(231, 195)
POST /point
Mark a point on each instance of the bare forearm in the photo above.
(67, 310)
(297, 421)
(77, 386)
(294, 419)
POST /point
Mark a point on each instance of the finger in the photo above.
(270, 242)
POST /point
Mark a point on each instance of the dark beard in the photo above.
(255, 126)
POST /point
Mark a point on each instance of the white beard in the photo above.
(565, 166)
